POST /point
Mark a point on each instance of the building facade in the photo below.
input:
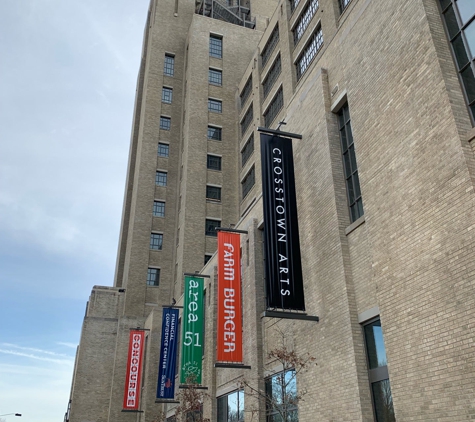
(383, 96)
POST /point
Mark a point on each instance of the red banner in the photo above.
(229, 298)
(134, 370)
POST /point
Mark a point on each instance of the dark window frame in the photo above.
(165, 123)
(280, 379)
(169, 65)
(247, 119)
(215, 106)
(247, 150)
(304, 20)
(215, 76)
(246, 91)
(309, 52)
(158, 208)
(163, 149)
(222, 406)
(343, 5)
(270, 45)
(274, 107)
(214, 162)
(153, 276)
(210, 227)
(156, 241)
(248, 182)
(272, 75)
(161, 178)
(167, 95)
(215, 133)
(215, 47)
(213, 193)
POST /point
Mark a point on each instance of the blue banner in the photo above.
(168, 350)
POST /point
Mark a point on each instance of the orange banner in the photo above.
(229, 298)
(134, 370)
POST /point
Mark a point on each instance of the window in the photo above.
(269, 47)
(378, 372)
(213, 192)
(246, 91)
(247, 119)
(156, 241)
(163, 149)
(281, 397)
(158, 209)
(214, 133)
(304, 20)
(169, 68)
(161, 178)
(274, 107)
(309, 52)
(215, 77)
(294, 4)
(231, 407)
(343, 4)
(272, 76)
(167, 95)
(460, 27)
(215, 106)
(211, 226)
(213, 162)
(248, 182)
(207, 258)
(355, 201)
(165, 123)
(247, 150)
(153, 277)
(215, 46)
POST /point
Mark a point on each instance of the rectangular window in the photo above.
(247, 150)
(215, 106)
(343, 4)
(274, 107)
(169, 68)
(246, 91)
(215, 77)
(231, 407)
(281, 395)
(378, 372)
(161, 178)
(304, 20)
(294, 4)
(215, 46)
(247, 119)
(355, 201)
(165, 123)
(213, 193)
(158, 209)
(248, 182)
(211, 226)
(272, 76)
(213, 162)
(156, 241)
(214, 133)
(153, 277)
(167, 95)
(309, 52)
(270, 46)
(163, 149)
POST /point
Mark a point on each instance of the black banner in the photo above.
(283, 267)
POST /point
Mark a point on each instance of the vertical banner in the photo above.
(192, 331)
(283, 267)
(168, 349)
(229, 298)
(134, 370)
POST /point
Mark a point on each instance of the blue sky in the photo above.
(68, 72)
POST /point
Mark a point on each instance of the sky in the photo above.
(68, 72)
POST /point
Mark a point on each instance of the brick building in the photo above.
(383, 94)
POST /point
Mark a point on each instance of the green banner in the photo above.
(192, 331)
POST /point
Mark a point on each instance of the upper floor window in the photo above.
(343, 4)
(215, 46)
(246, 91)
(269, 47)
(214, 133)
(215, 106)
(158, 209)
(156, 241)
(169, 68)
(153, 277)
(355, 201)
(248, 182)
(309, 52)
(213, 162)
(213, 193)
(304, 20)
(231, 407)
(165, 123)
(211, 226)
(163, 149)
(294, 4)
(459, 19)
(247, 150)
(272, 76)
(274, 107)
(281, 396)
(247, 119)
(215, 77)
(378, 372)
(161, 178)
(167, 95)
